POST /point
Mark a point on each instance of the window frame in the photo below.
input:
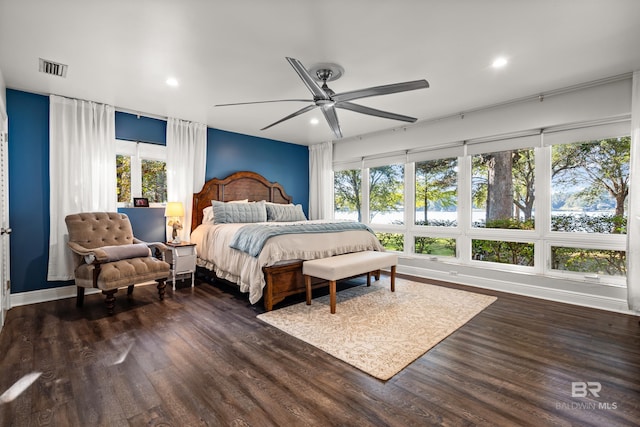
(139, 151)
(542, 237)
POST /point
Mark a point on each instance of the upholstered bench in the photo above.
(342, 266)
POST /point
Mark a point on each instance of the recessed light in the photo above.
(499, 62)
(171, 81)
(314, 121)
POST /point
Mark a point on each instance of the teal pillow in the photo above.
(285, 213)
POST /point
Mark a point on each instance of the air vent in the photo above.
(53, 68)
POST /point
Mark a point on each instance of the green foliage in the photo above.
(435, 246)
(516, 253)
(123, 178)
(391, 241)
(436, 184)
(606, 224)
(347, 186)
(154, 180)
(597, 261)
(386, 188)
(438, 223)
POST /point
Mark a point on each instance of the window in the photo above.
(141, 171)
(590, 185)
(347, 186)
(435, 246)
(503, 189)
(386, 194)
(503, 252)
(436, 199)
(477, 205)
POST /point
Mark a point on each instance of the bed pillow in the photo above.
(207, 213)
(285, 213)
(225, 213)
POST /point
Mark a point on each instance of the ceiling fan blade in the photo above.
(308, 80)
(264, 102)
(332, 118)
(290, 116)
(373, 112)
(380, 90)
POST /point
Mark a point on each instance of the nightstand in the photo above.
(182, 258)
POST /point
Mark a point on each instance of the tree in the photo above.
(436, 182)
(123, 178)
(603, 165)
(524, 182)
(385, 188)
(154, 180)
(347, 186)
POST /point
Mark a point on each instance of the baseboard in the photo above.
(558, 295)
(52, 294)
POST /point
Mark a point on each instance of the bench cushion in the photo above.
(347, 265)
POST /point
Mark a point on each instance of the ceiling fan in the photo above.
(327, 100)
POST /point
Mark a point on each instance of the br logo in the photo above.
(582, 389)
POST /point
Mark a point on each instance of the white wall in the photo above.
(605, 100)
(592, 103)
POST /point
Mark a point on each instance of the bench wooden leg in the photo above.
(307, 283)
(393, 278)
(332, 295)
(368, 278)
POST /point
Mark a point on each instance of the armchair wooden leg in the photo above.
(80, 296)
(110, 300)
(129, 289)
(161, 286)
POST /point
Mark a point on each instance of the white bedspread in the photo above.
(214, 253)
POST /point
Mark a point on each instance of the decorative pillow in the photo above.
(224, 213)
(207, 213)
(285, 213)
(119, 252)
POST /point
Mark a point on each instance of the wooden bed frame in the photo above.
(282, 280)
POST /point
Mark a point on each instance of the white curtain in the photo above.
(186, 164)
(82, 168)
(633, 226)
(321, 181)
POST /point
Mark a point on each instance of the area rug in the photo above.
(378, 331)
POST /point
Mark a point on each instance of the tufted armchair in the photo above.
(107, 256)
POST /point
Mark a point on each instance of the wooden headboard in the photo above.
(237, 186)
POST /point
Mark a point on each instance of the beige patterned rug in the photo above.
(377, 331)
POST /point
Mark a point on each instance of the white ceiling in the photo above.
(121, 52)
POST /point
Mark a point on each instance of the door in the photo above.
(5, 230)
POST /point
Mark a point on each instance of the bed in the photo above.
(276, 272)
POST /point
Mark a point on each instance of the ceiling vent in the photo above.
(53, 68)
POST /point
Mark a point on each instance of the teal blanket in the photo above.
(251, 238)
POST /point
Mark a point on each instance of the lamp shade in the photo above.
(174, 209)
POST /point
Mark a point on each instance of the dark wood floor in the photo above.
(202, 358)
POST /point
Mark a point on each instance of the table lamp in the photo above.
(174, 211)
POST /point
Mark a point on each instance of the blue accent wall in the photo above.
(287, 164)
(29, 190)
(132, 127)
(28, 113)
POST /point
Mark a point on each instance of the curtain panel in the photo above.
(82, 167)
(186, 165)
(633, 221)
(321, 181)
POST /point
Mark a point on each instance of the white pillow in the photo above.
(207, 213)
